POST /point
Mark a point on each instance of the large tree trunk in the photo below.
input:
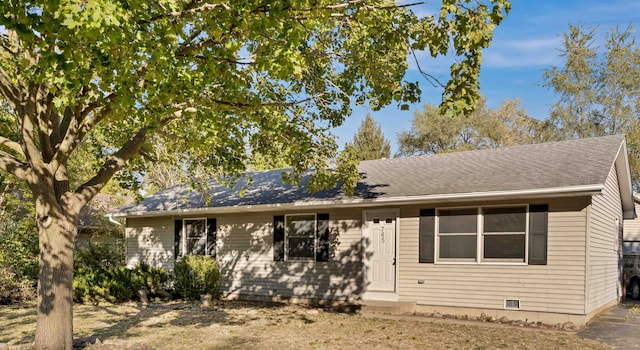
(57, 230)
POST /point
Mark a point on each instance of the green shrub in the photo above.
(118, 283)
(197, 275)
(98, 256)
(13, 289)
(153, 280)
(18, 234)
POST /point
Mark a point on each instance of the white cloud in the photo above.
(523, 53)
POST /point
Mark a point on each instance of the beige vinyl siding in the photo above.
(245, 253)
(150, 240)
(555, 287)
(603, 276)
(631, 233)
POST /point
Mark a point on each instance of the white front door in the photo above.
(380, 241)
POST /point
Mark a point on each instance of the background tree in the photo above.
(369, 142)
(211, 80)
(598, 90)
(433, 132)
(18, 242)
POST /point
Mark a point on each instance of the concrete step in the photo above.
(388, 307)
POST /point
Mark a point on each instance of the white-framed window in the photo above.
(195, 236)
(300, 237)
(482, 234)
(504, 234)
(457, 234)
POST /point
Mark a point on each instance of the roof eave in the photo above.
(555, 192)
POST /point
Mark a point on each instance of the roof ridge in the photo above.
(501, 148)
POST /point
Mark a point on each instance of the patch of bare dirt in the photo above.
(252, 325)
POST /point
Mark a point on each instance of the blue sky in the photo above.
(524, 45)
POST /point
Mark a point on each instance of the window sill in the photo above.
(489, 263)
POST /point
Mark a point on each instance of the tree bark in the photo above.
(57, 231)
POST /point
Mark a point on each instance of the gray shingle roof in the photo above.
(529, 167)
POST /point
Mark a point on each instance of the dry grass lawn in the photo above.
(243, 325)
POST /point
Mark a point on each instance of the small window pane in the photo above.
(300, 248)
(301, 225)
(301, 232)
(196, 237)
(462, 246)
(504, 246)
(458, 220)
(505, 219)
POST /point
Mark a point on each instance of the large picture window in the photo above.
(300, 237)
(489, 234)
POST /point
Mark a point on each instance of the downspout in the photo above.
(587, 242)
(112, 220)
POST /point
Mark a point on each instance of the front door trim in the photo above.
(376, 295)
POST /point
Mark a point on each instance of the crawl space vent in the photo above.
(513, 304)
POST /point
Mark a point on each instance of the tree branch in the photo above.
(78, 127)
(14, 166)
(115, 162)
(262, 104)
(8, 90)
(29, 147)
(46, 127)
(12, 145)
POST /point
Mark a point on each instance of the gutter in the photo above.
(554, 192)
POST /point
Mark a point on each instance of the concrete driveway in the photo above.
(618, 326)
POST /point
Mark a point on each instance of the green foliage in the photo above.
(219, 79)
(598, 88)
(196, 275)
(98, 256)
(153, 280)
(100, 274)
(18, 243)
(433, 132)
(119, 283)
(14, 289)
(369, 142)
(110, 79)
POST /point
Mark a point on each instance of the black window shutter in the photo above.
(538, 229)
(426, 235)
(322, 238)
(211, 237)
(278, 238)
(177, 241)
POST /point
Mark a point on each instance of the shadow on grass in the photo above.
(17, 317)
(125, 321)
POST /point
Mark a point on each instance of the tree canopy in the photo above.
(433, 132)
(209, 80)
(369, 142)
(598, 90)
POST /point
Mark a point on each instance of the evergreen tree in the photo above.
(369, 142)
